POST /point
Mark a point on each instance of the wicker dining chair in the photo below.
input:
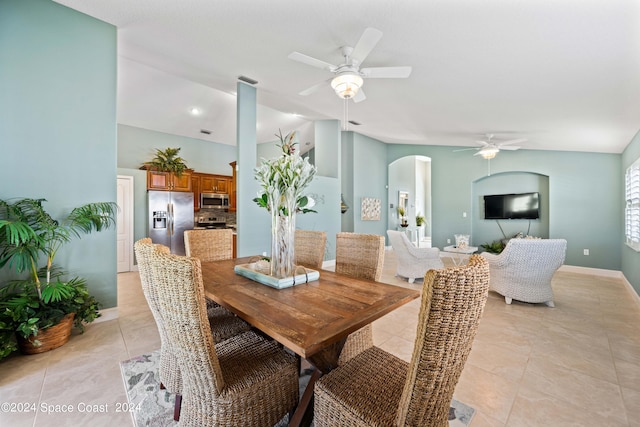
(209, 245)
(224, 324)
(362, 256)
(377, 388)
(246, 380)
(309, 248)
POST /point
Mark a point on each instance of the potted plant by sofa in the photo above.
(41, 298)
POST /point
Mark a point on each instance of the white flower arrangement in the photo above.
(284, 178)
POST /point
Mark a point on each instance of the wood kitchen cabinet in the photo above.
(168, 181)
(195, 187)
(232, 188)
(214, 184)
(208, 183)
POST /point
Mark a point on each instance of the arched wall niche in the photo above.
(486, 231)
(411, 175)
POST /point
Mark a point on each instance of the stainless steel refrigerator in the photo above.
(170, 214)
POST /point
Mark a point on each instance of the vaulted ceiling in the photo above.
(564, 74)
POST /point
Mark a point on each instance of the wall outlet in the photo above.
(448, 241)
(585, 251)
(464, 214)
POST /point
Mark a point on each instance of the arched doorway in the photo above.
(410, 181)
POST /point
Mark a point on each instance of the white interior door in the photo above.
(125, 223)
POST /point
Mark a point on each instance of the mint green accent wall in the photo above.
(58, 123)
(327, 147)
(369, 174)
(346, 180)
(585, 203)
(630, 258)
(136, 146)
(253, 224)
(326, 192)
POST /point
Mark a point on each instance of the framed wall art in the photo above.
(370, 209)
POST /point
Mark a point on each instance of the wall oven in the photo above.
(214, 201)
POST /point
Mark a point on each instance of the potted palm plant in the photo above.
(167, 161)
(41, 299)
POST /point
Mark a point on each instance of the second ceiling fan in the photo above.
(488, 149)
(348, 79)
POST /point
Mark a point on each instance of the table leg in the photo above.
(323, 362)
(302, 412)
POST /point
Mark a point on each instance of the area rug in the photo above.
(154, 407)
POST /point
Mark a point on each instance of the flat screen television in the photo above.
(512, 206)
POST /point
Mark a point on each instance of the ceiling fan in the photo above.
(348, 79)
(488, 149)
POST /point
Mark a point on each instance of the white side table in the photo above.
(458, 255)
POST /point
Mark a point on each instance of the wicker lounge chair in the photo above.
(524, 269)
(413, 263)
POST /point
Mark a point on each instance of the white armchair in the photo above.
(413, 263)
(524, 269)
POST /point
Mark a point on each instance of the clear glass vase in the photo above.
(283, 226)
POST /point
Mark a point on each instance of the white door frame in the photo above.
(127, 211)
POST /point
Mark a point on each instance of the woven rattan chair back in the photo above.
(245, 380)
(168, 370)
(309, 248)
(361, 256)
(209, 245)
(453, 300)
(182, 304)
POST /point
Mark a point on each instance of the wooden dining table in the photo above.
(311, 319)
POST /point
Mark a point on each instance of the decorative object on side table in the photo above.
(462, 241)
(283, 180)
(403, 219)
(35, 308)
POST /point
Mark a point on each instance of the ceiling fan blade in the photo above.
(386, 72)
(306, 59)
(466, 149)
(510, 147)
(314, 88)
(360, 96)
(513, 141)
(369, 39)
(483, 143)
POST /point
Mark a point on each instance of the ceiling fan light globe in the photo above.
(489, 153)
(346, 85)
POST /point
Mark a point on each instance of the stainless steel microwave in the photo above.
(214, 201)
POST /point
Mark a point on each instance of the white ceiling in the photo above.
(565, 74)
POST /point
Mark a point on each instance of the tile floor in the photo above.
(577, 364)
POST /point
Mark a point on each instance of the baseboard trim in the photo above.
(593, 271)
(107, 314)
(604, 273)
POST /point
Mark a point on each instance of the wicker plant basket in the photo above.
(50, 338)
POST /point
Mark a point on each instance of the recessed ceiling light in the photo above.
(195, 111)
